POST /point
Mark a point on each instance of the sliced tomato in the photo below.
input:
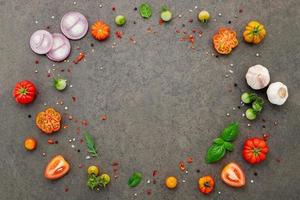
(233, 175)
(57, 168)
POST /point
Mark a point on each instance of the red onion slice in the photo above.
(41, 42)
(61, 48)
(74, 25)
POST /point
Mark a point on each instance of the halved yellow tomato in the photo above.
(57, 168)
(233, 175)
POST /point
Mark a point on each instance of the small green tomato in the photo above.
(166, 15)
(251, 114)
(120, 20)
(60, 84)
(203, 16)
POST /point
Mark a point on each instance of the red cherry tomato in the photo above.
(233, 175)
(24, 92)
(255, 150)
(57, 168)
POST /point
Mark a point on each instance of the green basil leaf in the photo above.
(134, 179)
(145, 10)
(218, 141)
(215, 153)
(228, 146)
(230, 133)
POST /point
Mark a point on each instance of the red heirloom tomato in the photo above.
(57, 168)
(206, 184)
(255, 150)
(24, 92)
(233, 175)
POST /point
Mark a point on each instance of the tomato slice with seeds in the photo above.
(57, 168)
(233, 175)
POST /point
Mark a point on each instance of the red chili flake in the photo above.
(161, 22)
(154, 173)
(73, 98)
(149, 29)
(48, 75)
(36, 61)
(132, 39)
(148, 191)
(84, 122)
(190, 160)
(154, 181)
(79, 58)
(50, 141)
(119, 34)
(266, 136)
(113, 8)
(115, 163)
(191, 39)
(103, 117)
(62, 70)
(48, 27)
(194, 30)
(241, 10)
(81, 140)
(191, 20)
(181, 165)
(66, 189)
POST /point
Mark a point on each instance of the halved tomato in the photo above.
(233, 175)
(57, 168)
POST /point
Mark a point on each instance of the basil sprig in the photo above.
(222, 144)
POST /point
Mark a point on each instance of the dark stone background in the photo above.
(164, 100)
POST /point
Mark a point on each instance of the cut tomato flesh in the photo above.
(57, 168)
(233, 175)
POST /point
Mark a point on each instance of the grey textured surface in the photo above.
(164, 101)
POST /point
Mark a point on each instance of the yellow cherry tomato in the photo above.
(105, 179)
(254, 32)
(171, 182)
(203, 16)
(93, 170)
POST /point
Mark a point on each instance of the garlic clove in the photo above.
(258, 77)
(277, 93)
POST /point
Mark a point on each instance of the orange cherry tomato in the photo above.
(100, 30)
(30, 144)
(225, 40)
(233, 175)
(57, 168)
(206, 184)
(171, 182)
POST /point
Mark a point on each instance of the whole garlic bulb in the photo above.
(277, 93)
(258, 77)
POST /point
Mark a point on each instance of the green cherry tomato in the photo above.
(251, 114)
(120, 20)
